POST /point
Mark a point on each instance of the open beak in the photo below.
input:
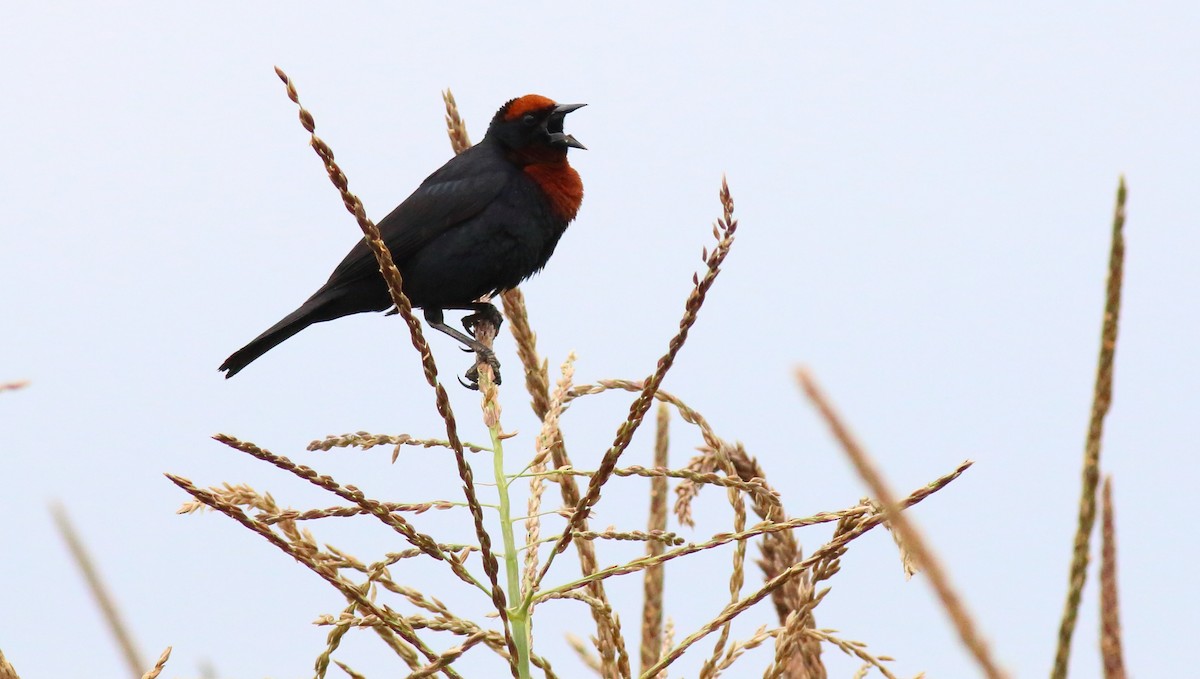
(560, 138)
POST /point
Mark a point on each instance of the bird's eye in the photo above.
(529, 119)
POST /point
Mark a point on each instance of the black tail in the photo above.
(310, 312)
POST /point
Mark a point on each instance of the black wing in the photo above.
(450, 196)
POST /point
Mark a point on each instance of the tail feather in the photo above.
(291, 324)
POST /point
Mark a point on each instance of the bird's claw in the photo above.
(485, 356)
(486, 313)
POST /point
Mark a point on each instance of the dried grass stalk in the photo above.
(347, 589)
(459, 139)
(153, 672)
(1110, 615)
(404, 307)
(653, 585)
(838, 542)
(108, 607)
(856, 649)
(737, 574)
(7, 671)
(787, 647)
(373, 507)
(349, 671)
(1101, 400)
(717, 540)
(584, 654)
(546, 440)
(899, 522)
(366, 441)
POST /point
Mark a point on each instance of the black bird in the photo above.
(482, 223)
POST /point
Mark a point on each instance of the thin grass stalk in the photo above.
(367, 441)
(753, 487)
(108, 607)
(455, 126)
(1101, 400)
(733, 610)
(7, 671)
(334, 639)
(537, 382)
(450, 655)
(778, 552)
(1110, 614)
(653, 582)
(855, 649)
(549, 435)
(967, 629)
(159, 664)
(395, 623)
(404, 307)
(349, 670)
(723, 231)
(373, 507)
(787, 646)
(739, 648)
(717, 540)
(336, 512)
(584, 654)
(737, 571)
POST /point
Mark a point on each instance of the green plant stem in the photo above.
(517, 615)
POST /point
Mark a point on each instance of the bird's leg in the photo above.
(483, 354)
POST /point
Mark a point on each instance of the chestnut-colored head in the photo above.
(533, 122)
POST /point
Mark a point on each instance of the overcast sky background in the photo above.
(924, 194)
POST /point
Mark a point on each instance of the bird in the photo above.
(481, 224)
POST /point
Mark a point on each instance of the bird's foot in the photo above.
(482, 356)
(485, 312)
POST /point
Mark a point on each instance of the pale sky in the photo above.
(925, 196)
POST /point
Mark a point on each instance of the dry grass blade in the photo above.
(779, 550)
(899, 522)
(330, 512)
(653, 584)
(158, 665)
(787, 646)
(450, 655)
(753, 486)
(1110, 615)
(584, 654)
(120, 631)
(723, 231)
(457, 129)
(366, 441)
(395, 623)
(349, 671)
(333, 640)
(547, 438)
(717, 540)
(373, 507)
(856, 649)
(7, 671)
(404, 307)
(823, 553)
(1101, 400)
